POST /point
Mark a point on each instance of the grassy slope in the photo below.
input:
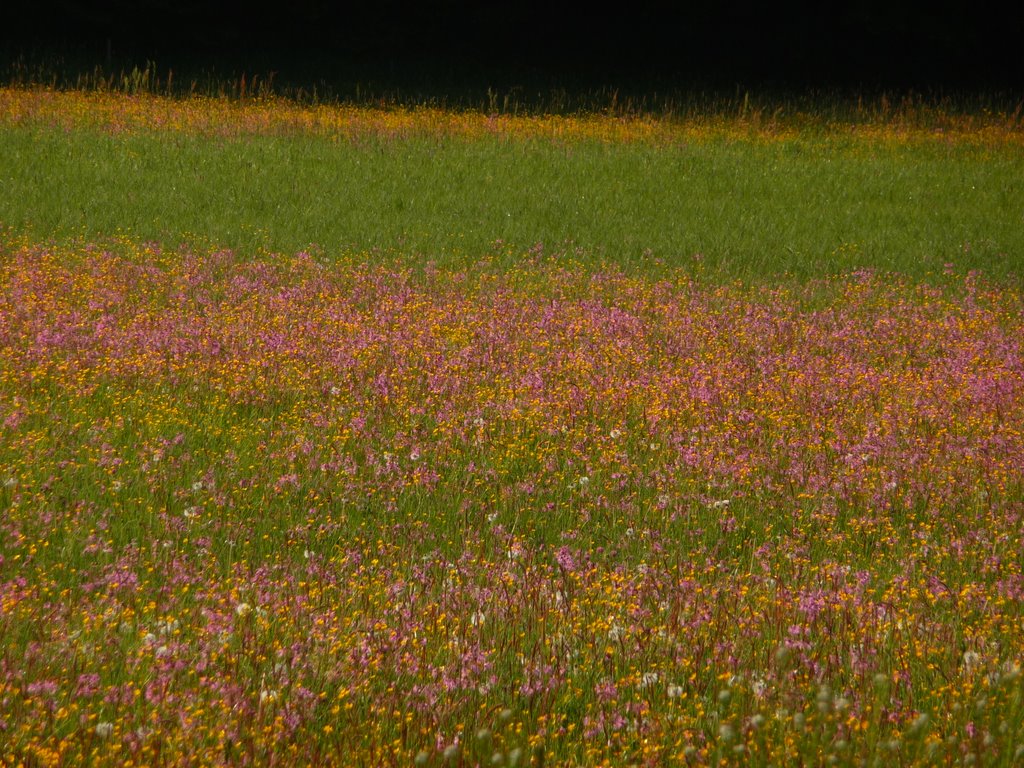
(753, 210)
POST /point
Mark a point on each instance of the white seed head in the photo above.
(971, 661)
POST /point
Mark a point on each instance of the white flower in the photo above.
(759, 687)
(615, 434)
(104, 730)
(477, 618)
(584, 481)
(721, 503)
(675, 691)
(335, 391)
(971, 661)
(197, 486)
(243, 609)
(648, 679)
(168, 627)
(615, 633)
(268, 696)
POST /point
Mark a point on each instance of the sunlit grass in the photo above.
(726, 199)
(362, 436)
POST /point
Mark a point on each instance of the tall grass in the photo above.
(727, 208)
(932, 108)
(389, 437)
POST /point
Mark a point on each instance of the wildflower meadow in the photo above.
(526, 506)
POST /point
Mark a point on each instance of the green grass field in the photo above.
(416, 447)
(749, 210)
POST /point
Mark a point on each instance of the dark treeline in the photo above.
(446, 44)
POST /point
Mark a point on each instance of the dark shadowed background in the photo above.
(445, 45)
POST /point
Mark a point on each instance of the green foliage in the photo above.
(729, 209)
